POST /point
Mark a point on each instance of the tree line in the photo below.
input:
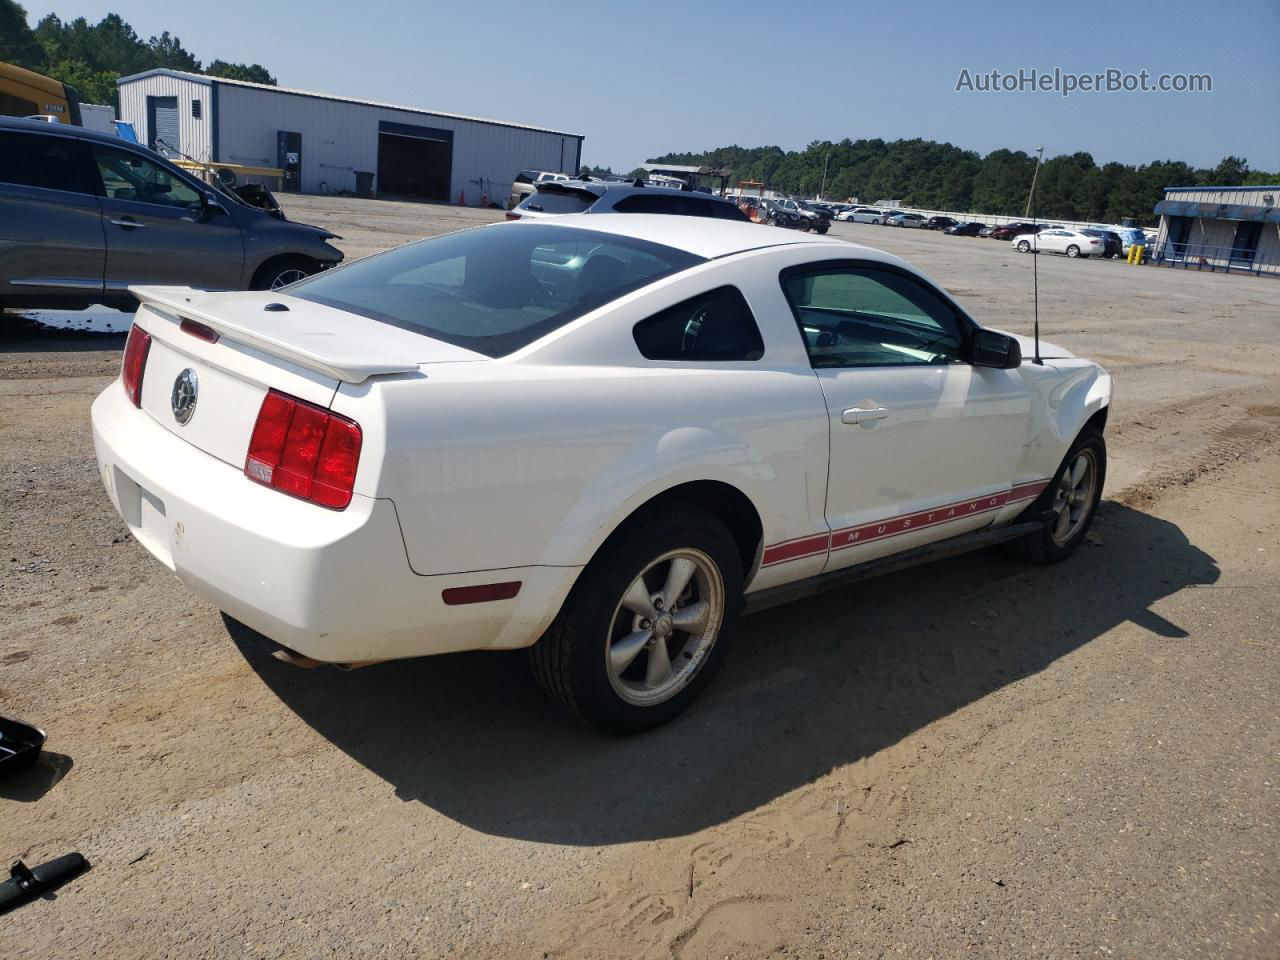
(92, 56)
(939, 176)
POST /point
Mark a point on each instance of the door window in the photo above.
(863, 316)
(128, 176)
(54, 163)
(714, 326)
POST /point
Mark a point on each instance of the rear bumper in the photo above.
(333, 585)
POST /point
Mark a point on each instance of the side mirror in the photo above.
(992, 349)
(209, 206)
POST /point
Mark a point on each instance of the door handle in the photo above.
(859, 415)
(129, 223)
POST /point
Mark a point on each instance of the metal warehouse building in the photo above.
(322, 141)
(1220, 228)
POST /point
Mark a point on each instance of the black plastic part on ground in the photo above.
(26, 884)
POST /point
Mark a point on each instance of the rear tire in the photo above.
(282, 271)
(600, 659)
(1072, 497)
(1073, 251)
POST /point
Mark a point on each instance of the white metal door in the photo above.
(923, 445)
(918, 454)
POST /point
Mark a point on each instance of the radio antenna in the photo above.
(1035, 258)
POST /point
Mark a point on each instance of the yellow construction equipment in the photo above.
(25, 93)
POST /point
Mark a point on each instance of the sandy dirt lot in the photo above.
(975, 758)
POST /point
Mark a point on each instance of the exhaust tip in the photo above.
(295, 659)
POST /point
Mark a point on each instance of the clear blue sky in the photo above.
(645, 78)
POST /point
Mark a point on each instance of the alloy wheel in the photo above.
(286, 277)
(1074, 497)
(664, 627)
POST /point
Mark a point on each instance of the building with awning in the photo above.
(1219, 228)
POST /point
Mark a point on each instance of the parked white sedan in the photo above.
(1059, 240)
(599, 437)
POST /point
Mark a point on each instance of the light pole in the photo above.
(823, 192)
(1039, 160)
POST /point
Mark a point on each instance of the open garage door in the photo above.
(414, 162)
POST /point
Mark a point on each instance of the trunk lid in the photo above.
(305, 351)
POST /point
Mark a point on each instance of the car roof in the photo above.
(701, 236)
(620, 189)
(62, 129)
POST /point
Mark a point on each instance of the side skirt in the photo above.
(966, 542)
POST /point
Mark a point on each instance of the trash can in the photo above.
(364, 184)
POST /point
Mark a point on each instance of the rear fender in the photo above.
(683, 455)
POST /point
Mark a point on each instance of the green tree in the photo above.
(167, 51)
(92, 86)
(252, 72)
(18, 44)
(1231, 172)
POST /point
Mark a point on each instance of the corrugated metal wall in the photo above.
(1247, 198)
(339, 138)
(194, 134)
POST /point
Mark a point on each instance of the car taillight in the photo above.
(512, 216)
(304, 451)
(135, 360)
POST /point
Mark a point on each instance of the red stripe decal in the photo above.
(1027, 491)
(794, 549)
(801, 547)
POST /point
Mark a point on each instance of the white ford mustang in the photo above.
(600, 437)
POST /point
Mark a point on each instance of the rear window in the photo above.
(494, 289)
(556, 200)
(679, 205)
(54, 163)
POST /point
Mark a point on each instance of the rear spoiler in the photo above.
(335, 356)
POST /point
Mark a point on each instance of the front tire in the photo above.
(1071, 500)
(282, 271)
(1023, 247)
(647, 625)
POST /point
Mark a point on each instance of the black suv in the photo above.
(83, 215)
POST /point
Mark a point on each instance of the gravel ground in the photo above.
(975, 758)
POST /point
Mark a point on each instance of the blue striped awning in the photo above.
(1218, 211)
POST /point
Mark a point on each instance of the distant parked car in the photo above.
(84, 215)
(1007, 231)
(556, 198)
(905, 220)
(1073, 243)
(811, 217)
(1131, 235)
(940, 223)
(863, 215)
(1112, 245)
(773, 212)
(972, 229)
(526, 182)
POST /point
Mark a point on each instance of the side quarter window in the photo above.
(868, 316)
(52, 163)
(714, 326)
